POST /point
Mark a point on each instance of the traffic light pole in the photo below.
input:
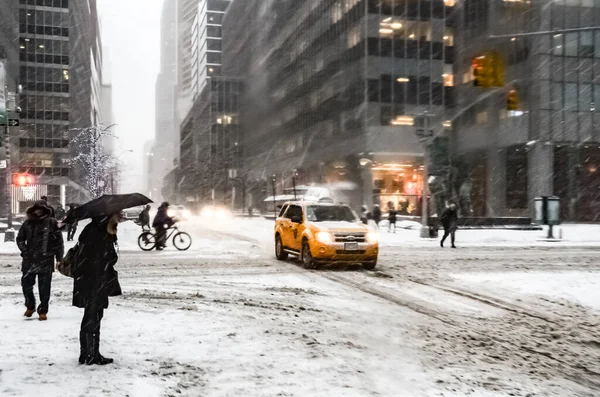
(9, 235)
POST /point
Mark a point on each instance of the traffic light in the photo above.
(512, 101)
(488, 70)
(23, 179)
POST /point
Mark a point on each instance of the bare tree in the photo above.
(96, 165)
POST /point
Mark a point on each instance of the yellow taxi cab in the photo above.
(324, 233)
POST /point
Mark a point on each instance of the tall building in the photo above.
(60, 71)
(166, 130)
(9, 56)
(187, 11)
(207, 42)
(333, 87)
(536, 132)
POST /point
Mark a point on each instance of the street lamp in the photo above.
(294, 176)
(273, 180)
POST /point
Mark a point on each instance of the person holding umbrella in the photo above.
(95, 260)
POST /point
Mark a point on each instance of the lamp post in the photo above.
(273, 179)
(294, 176)
(425, 125)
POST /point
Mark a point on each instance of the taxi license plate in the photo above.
(351, 246)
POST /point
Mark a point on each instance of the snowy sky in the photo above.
(131, 35)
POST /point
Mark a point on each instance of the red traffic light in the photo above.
(23, 179)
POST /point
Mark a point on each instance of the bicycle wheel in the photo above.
(147, 241)
(182, 241)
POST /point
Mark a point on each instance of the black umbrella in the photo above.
(106, 205)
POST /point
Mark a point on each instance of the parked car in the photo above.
(324, 233)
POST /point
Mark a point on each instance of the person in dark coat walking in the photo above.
(40, 242)
(98, 280)
(72, 227)
(162, 220)
(376, 214)
(145, 218)
(45, 200)
(449, 220)
(392, 219)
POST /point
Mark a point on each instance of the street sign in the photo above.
(11, 123)
(2, 164)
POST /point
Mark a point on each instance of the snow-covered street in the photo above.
(504, 315)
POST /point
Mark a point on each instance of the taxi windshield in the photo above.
(321, 213)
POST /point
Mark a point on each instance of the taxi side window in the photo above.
(282, 211)
(294, 211)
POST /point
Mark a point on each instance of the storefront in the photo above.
(398, 185)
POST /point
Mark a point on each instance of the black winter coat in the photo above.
(162, 218)
(40, 241)
(145, 216)
(392, 216)
(97, 258)
(449, 218)
(377, 214)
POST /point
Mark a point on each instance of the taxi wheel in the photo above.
(370, 265)
(307, 260)
(279, 251)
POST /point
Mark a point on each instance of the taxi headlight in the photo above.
(372, 237)
(324, 237)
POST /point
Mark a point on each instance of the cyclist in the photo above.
(162, 221)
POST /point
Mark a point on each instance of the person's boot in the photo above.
(42, 317)
(93, 346)
(28, 313)
(82, 347)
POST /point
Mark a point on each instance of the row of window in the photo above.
(46, 3)
(41, 58)
(582, 44)
(45, 171)
(569, 96)
(44, 30)
(44, 102)
(44, 143)
(416, 91)
(44, 46)
(30, 74)
(45, 115)
(44, 18)
(47, 87)
(410, 49)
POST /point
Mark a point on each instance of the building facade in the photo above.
(211, 150)
(340, 83)
(60, 72)
(536, 132)
(166, 141)
(207, 42)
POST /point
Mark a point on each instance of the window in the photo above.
(557, 44)
(448, 79)
(557, 96)
(213, 31)
(353, 37)
(571, 44)
(586, 45)
(285, 207)
(336, 12)
(293, 212)
(571, 97)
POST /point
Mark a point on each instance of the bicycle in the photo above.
(181, 240)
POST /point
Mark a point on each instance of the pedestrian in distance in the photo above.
(392, 219)
(364, 214)
(145, 218)
(449, 221)
(98, 280)
(45, 200)
(72, 226)
(60, 213)
(162, 221)
(377, 214)
(41, 244)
